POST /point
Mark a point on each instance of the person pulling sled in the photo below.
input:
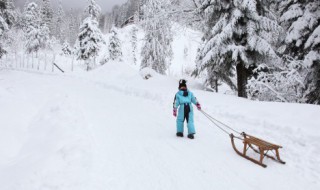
(183, 109)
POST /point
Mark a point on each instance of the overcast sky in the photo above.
(106, 5)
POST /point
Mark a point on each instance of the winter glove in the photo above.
(198, 106)
(174, 112)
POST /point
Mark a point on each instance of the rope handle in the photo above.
(215, 121)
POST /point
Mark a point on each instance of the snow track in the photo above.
(109, 129)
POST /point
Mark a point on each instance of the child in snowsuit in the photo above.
(183, 100)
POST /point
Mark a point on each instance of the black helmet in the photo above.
(182, 83)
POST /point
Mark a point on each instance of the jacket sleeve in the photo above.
(176, 102)
(194, 99)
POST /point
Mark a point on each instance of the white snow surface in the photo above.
(100, 131)
(111, 129)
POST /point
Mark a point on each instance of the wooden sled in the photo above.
(263, 147)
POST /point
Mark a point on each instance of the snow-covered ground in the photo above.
(110, 129)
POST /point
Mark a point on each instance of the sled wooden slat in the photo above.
(262, 148)
(261, 143)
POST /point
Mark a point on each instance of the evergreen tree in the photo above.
(7, 19)
(102, 23)
(60, 23)
(72, 25)
(37, 38)
(89, 41)
(66, 49)
(36, 32)
(93, 9)
(157, 51)
(9, 12)
(47, 14)
(240, 35)
(134, 43)
(301, 20)
(313, 95)
(31, 16)
(114, 45)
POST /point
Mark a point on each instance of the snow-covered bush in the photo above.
(284, 82)
(147, 73)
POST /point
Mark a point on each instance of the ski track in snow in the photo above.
(94, 132)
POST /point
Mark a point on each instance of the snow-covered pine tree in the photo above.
(15, 40)
(9, 12)
(37, 38)
(72, 25)
(157, 51)
(141, 5)
(46, 12)
(93, 9)
(36, 32)
(19, 19)
(7, 19)
(59, 23)
(240, 34)
(89, 41)
(313, 95)
(102, 23)
(66, 49)
(301, 20)
(31, 16)
(114, 47)
(136, 17)
(134, 43)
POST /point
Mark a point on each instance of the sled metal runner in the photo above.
(263, 147)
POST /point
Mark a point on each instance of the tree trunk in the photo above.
(16, 60)
(23, 60)
(38, 63)
(27, 57)
(45, 61)
(54, 58)
(242, 80)
(32, 60)
(216, 84)
(87, 63)
(72, 63)
(314, 96)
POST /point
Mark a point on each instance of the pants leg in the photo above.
(191, 128)
(180, 120)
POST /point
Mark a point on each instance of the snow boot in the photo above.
(190, 136)
(179, 134)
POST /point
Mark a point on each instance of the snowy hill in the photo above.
(110, 129)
